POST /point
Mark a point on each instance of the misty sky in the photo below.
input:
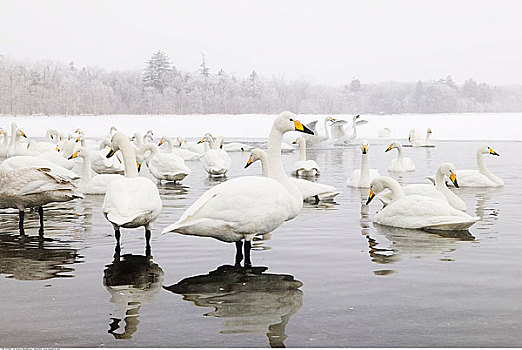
(325, 41)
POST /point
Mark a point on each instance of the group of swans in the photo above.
(336, 130)
(415, 141)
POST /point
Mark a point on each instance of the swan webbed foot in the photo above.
(239, 252)
(248, 247)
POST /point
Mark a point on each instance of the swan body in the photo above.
(401, 163)
(5, 143)
(361, 177)
(88, 184)
(191, 146)
(481, 177)
(243, 207)
(236, 147)
(384, 133)
(16, 148)
(48, 145)
(416, 211)
(19, 162)
(310, 191)
(186, 154)
(215, 161)
(417, 142)
(317, 138)
(57, 158)
(130, 201)
(163, 165)
(304, 167)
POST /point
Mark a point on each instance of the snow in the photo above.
(450, 126)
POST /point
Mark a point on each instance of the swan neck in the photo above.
(13, 134)
(264, 164)
(400, 154)
(302, 150)
(129, 160)
(87, 166)
(427, 137)
(326, 129)
(170, 147)
(365, 168)
(395, 188)
(274, 164)
(440, 183)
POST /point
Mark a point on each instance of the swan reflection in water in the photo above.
(25, 257)
(250, 300)
(132, 280)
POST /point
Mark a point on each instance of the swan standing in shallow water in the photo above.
(311, 191)
(246, 206)
(162, 165)
(216, 160)
(481, 177)
(415, 211)
(361, 177)
(304, 167)
(33, 187)
(401, 163)
(130, 201)
(88, 184)
(439, 191)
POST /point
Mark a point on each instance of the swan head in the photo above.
(449, 170)
(207, 138)
(163, 139)
(255, 155)
(81, 152)
(429, 131)
(394, 144)
(287, 121)
(118, 139)
(487, 150)
(298, 140)
(377, 185)
(364, 146)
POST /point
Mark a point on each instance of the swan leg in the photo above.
(41, 214)
(147, 240)
(248, 246)
(117, 235)
(239, 252)
(21, 214)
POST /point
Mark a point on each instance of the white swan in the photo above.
(304, 167)
(361, 177)
(191, 145)
(186, 154)
(88, 184)
(439, 191)
(417, 212)
(215, 160)
(162, 165)
(310, 191)
(417, 142)
(32, 187)
(130, 201)
(317, 137)
(236, 147)
(401, 163)
(16, 148)
(5, 143)
(20, 162)
(245, 206)
(49, 145)
(481, 177)
(341, 135)
(384, 133)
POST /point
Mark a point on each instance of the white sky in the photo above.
(326, 41)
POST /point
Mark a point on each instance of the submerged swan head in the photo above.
(394, 144)
(484, 149)
(287, 121)
(364, 146)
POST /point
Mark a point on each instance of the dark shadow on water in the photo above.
(132, 280)
(249, 299)
(173, 188)
(26, 258)
(215, 180)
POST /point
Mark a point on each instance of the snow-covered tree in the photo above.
(158, 72)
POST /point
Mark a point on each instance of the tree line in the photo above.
(47, 87)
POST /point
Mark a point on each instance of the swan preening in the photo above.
(311, 191)
(243, 207)
(361, 177)
(416, 211)
(401, 163)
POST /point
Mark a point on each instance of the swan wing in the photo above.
(311, 189)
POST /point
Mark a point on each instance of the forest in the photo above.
(52, 88)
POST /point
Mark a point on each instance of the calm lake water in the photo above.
(328, 278)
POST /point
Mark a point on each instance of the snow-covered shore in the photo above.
(450, 126)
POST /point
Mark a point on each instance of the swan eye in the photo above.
(291, 120)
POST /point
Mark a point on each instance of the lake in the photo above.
(328, 278)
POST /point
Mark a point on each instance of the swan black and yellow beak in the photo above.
(138, 164)
(57, 148)
(23, 134)
(74, 155)
(364, 149)
(160, 143)
(453, 178)
(300, 127)
(249, 162)
(295, 142)
(201, 141)
(429, 131)
(370, 197)
(389, 148)
(111, 153)
(493, 152)
(78, 139)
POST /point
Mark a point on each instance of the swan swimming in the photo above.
(182, 152)
(130, 201)
(341, 135)
(304, 167)
(481, 177)
(415, 211)
(162, 165)
(361, 177)
(401, 163)
(311, 191)
(243, 207)
(215, 160)
(439, 191)
(317, 138)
